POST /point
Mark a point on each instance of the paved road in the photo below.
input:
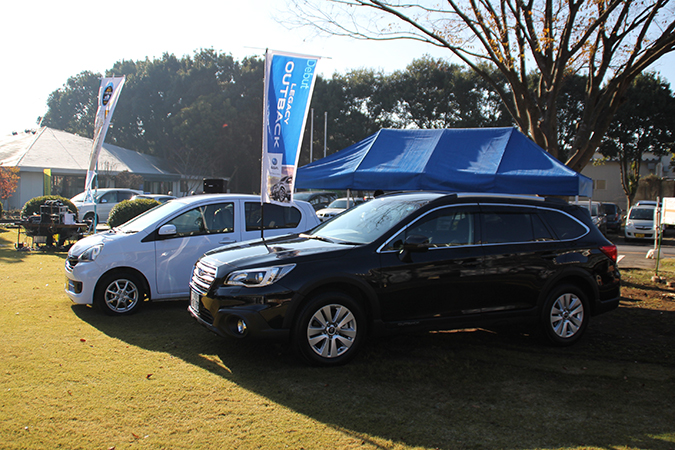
(633, 254)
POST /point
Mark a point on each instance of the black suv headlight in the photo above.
(258, 277)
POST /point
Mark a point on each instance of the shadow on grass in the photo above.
(9, 254)
(470, 389)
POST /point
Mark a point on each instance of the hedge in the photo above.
(128, 209)
(32, 206)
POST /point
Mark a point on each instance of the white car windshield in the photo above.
(150, 217)
(642, 214)
(368, 221)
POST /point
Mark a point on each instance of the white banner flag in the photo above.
(108, 94)
(289, 82)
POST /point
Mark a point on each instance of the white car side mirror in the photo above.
(167, 230)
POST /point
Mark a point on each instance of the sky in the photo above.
(45, 42)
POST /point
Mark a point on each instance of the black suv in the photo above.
(412, 261)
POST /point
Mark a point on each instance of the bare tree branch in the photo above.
(609, 42)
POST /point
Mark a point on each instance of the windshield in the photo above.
(642, 214)
(80, 197)
(368, 221)
(150, 216)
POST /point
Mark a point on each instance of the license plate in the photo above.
(639, 235)
(194, 301)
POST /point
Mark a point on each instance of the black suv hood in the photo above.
(256, 253)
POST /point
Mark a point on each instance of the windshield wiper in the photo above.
(317, 237)
(331, 240)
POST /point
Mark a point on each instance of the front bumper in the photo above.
(81, 282)
(227, 321)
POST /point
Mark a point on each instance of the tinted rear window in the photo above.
(275, 216)
(563, 225)
(503, 227)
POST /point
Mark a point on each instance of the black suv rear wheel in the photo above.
(565, 315)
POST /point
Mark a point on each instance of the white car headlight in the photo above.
(262, 276)
(91, 253)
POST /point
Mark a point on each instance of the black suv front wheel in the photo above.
(330, 329)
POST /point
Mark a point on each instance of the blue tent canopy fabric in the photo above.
(496, 160)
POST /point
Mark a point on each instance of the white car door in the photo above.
(197, 231)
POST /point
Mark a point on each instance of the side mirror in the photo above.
(413, 244)
(167, 230)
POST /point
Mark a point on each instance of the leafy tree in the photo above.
(644, 124)
(357, 105)
(73, 107)
(9, 180)
(435, 94)
(609, 42)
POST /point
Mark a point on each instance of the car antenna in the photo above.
(262, 223)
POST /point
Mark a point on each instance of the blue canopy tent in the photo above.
(498, 160)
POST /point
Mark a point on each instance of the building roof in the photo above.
(68, 153)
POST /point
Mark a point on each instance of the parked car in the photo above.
(162, 198)
(412, 261)
(640, 222)
(153, 254)
(318, 200)
(613, 216)
(597, 213)
(104, 201)
(337, 206)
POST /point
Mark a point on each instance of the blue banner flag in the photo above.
(108, 94)
(289, 83)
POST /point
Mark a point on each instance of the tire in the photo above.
(565, 315)
(119, 294)
(330, 329)
(89, 220)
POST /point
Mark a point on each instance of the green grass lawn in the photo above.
(73, 378)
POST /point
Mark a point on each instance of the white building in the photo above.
(606, 176)
(67, 157)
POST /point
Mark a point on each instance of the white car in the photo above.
(105, 199)
(336, 207)
(153, 254)
(640, 222)
(162, 198)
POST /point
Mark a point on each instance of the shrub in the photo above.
(32, 206)
(128, 209)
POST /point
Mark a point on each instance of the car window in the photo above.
(108, 197)
(275, 216)
(642, 214)
(124, 195)
(503, 227)
(207, 219)
(563, 225)
(446, 227)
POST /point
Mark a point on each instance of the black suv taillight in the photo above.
(611, 251)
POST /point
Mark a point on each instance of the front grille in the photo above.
(202, 277)
(205, 314)
(70, 263)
